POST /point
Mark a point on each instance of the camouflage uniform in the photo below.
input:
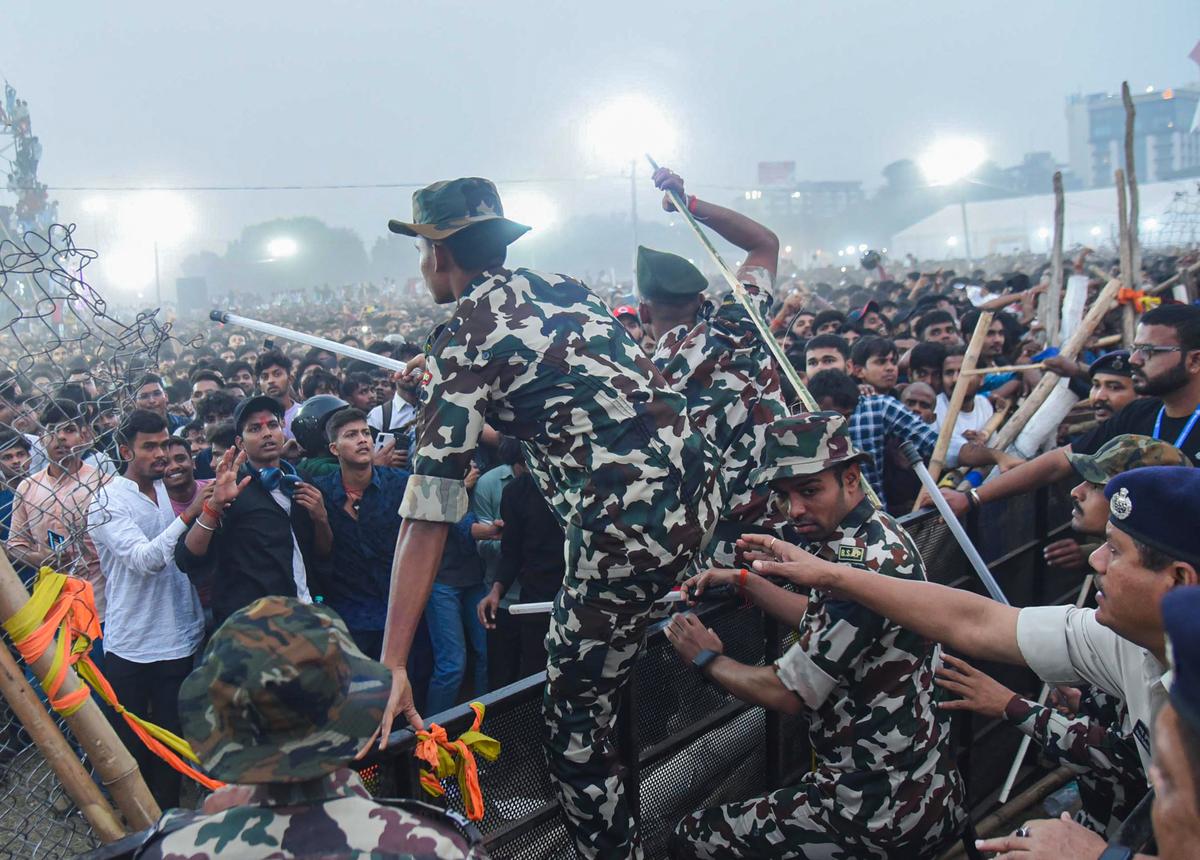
(731, 383)
(612, 449)
(282, 700)
(885, 784)
(1105, 758)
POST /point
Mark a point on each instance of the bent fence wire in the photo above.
(60, 347)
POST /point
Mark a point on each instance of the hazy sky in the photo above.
(279, 93)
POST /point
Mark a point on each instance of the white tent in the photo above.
(1026, 224)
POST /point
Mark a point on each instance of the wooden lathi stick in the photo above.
(1134, 210)
(56, 751)
(1091, 320)
(1052, 301)
(1108, 340)
(1174, 279)
(1005, 368)
(1128, 317)
(938, 460)
(118, 771)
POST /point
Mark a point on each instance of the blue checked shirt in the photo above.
(875, 419)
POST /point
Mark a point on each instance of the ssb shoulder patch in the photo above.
(851, 553)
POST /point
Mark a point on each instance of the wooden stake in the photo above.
(118, 771)
(56, 751)
(1128, 318)
(1135, 246)
(1052, 301)
(1005, 368)
(938, 460)
(1091, 320)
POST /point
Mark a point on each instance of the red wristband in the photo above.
(691, 203)
(743, 575)
(205, 509)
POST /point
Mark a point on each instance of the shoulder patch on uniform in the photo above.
(851, 553)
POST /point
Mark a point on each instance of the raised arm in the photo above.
(760, 244)
(968, 623)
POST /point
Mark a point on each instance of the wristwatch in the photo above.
(701, 660)
(1117, 852)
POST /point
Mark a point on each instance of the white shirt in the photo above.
(1065, 645)
(153, 612)
(403, 413)
(299, 574)
(973, 420)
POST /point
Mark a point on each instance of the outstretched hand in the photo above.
(227, 487)
(774, 557)
(400, 701)
(980, 692)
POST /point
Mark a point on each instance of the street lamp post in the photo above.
(949, 162)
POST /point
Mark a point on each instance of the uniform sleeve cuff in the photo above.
(1042, 638)
(435, 500)
(803, 677)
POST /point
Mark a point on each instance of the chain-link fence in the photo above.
(66, 367)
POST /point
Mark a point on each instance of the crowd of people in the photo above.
(656, 441)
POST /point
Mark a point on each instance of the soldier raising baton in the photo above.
(612, 449)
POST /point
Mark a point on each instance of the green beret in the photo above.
(663, 276)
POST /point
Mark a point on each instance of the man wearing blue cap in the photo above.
(1152, 546)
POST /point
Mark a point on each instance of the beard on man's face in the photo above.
(1164, 383)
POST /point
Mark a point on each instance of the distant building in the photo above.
(1164, 146)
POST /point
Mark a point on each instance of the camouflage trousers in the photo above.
(596, 633)
(795, 822)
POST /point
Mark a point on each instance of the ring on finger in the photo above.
(1022, 832)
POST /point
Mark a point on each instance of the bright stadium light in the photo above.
(530, 207)
(146, 222)
(281, 247)
(1150, 224)
(1095, 231)
(1044, 233)
(951, 159)
(95, 205)
(952, 241)
(627, 127)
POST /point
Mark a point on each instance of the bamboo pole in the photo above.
(1004, 368)
(1052, 300)
(1174, 279)
(1135, 246)
(1014, 813)
(1091, 320)
(1128, 318)
(117, 769)
(938, 460)
(56, 751)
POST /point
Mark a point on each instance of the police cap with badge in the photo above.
(1157, 506)
(1112, 363)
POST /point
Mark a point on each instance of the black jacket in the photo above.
(251, 552)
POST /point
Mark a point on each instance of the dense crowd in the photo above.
(185, 484)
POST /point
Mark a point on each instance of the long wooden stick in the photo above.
(1134, 210)
(117, 769)
(1084, 591)
(1004, 368)
(56, 751)
(1174, 279)
(957, 396)
(764, 330)
(1128, 317)
(1053, 299)
(1091, 320)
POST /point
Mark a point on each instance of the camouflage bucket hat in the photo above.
(282, 695)
(805, 445)
(442, 209)
(1125, 452)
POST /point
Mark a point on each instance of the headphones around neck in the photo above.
(282, 478)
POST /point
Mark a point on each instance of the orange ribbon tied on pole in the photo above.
(457, 758)
(62, 612)
(1141, 300)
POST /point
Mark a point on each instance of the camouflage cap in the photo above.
(442, 209)
(282, 695)
(665, 276)
(1125, 452)
(805, 445)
